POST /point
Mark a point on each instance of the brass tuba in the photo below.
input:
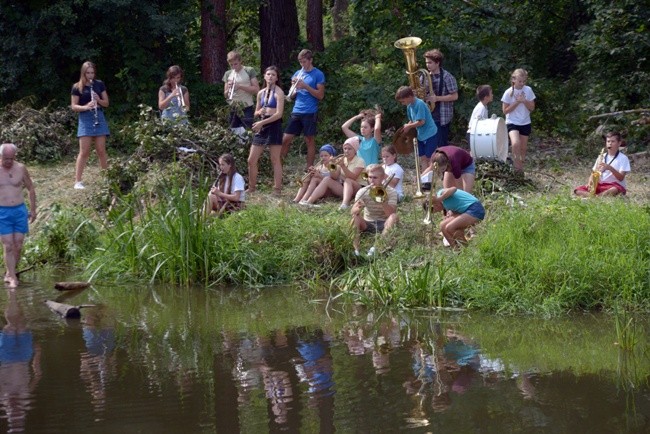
(419, 79)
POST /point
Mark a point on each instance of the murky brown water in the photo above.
(162, 360)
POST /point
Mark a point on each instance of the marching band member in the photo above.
(228, 192)
(518, 101)
(445, 90)
(457, 166)
(308, 89)
(343, 178)
(89, 99)
(419, 118)
(463, 211)
(173, 97)
(391, 167)
(370, 138)
(316, 174)
(268, 130)
(240, 86)
(379, 209)
(612, 168)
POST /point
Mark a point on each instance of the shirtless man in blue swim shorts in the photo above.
(13, 212)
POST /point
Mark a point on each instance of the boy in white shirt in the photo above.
(480, 112)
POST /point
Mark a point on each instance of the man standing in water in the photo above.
(13, 212)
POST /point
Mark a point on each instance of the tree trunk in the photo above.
(279, 33)
(339, 19)
(315, 25)
(213, 40)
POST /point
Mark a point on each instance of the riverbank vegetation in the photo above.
(539, 251)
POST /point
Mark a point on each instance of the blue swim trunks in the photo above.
(13, 219)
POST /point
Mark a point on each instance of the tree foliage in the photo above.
(584, 57)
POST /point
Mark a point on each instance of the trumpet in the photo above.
(427, 220)
(294, 87)
(92, 98)
(181, 100)
(300, 181)
(334, 162)
(231, 80)
(595, 174)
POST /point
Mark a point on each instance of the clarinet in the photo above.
(92, 98)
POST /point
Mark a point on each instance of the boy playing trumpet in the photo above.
(379, 205)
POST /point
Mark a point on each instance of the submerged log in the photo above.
(66, 310)
(69, 286)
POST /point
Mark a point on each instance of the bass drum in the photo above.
(489, 139)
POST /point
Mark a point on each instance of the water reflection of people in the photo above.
(18, 378)
(449, 366)
(98, 366)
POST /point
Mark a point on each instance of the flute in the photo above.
(92, 98)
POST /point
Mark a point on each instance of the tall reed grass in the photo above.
(545, 258)
(171, 241)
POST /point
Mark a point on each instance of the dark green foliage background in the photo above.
(585, 57)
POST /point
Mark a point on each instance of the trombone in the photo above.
(427, 220)
(379, 193)
(418, 193)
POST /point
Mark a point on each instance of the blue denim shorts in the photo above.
(471, 169)
(476, 210)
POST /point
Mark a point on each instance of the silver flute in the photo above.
(92, 98)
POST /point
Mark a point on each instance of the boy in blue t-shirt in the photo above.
(420, 118)
(463, 210)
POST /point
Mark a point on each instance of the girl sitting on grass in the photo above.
(228, 192)
(316, 173)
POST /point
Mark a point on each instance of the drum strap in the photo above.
(441, 84)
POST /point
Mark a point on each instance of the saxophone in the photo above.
(592, 185)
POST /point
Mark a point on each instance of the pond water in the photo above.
(164, 360)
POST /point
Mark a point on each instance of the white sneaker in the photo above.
(79, 185)
(343, 207)
(303, 202)
(372, 251)
(356, 253)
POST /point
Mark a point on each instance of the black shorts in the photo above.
(270, 134)
(375, 226)
(302, 123)
(524, 130)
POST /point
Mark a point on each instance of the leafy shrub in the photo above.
(43, 135)
(65, 235)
